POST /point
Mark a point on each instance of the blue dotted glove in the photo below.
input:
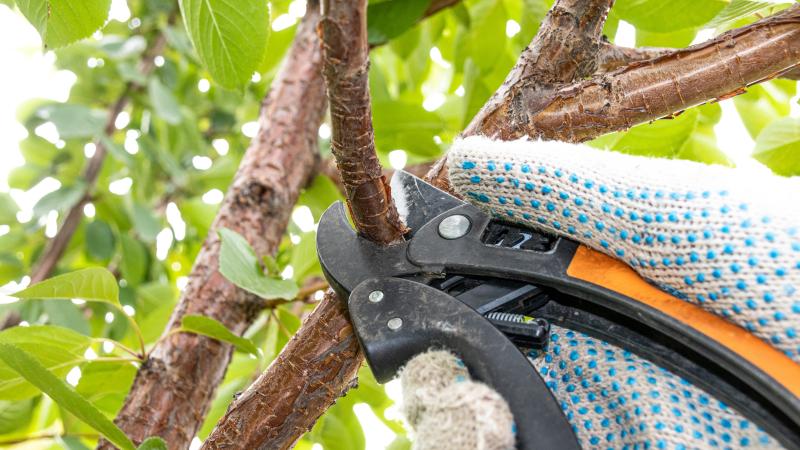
(711, 235)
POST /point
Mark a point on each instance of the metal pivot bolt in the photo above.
(395, 323)
(375, 296)
(454, 227)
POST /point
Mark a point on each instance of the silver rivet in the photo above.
(375, 296)
(395, 324)
(454, 227)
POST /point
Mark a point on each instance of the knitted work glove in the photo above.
(698, 231)
(711, 235)
(449, 411)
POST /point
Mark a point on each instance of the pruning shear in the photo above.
(485, 289)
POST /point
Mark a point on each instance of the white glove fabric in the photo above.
(711, 235)
(449, 411)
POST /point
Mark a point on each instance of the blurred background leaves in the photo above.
(174, 148)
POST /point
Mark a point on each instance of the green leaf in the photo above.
(11, 268)
(8, 209)
(408, 127)
(737, 9)
(58, 349)
(95, 284)
(164, 103)
(675, 39)
(320, 195)
(390, 18)
(134, 260)
(15, 416)
(662, 138)
(668, 16)
(106, 383)
(65, 314)
(62, 22)
(764, 103)
(64, 395)
(145, 223)
(230, 37)
(238, 263)
(153, 443)
(304, 259)
(74, 121)
(100, 241)
(214, 329)
(778, 146)
(60, 200)
(487, 36)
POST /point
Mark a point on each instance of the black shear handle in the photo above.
(396, 319)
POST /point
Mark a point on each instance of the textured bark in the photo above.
(55, 247)
(328, 168)
(343, 32)
(564, 49)
(612, 57)
(652, 89)
(642, 91)
(317, 366)
(174, 387)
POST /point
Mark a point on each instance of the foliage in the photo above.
(176, 147)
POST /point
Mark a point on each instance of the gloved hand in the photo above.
(449, 411)
(707, 234)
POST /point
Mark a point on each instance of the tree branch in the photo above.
(55, 247)
(612, 57)
(645, 90)
(564, 49)
(343, 32)
(174, 387)
(317, 366)
(652, 89)
(321, 361)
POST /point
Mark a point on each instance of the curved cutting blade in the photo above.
(417, 201)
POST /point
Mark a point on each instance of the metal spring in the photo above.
(507, 317)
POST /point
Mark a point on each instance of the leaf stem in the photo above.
(122, 347)
(143, 354)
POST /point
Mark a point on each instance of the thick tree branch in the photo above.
(612, 57)
(328, 168)
(321, 361)
(315, 368)
(174, 387)
(645, 90)
(55, 247)
(343, 32)
(564, 49)
(652, 89)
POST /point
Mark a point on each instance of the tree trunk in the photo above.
(174, 387)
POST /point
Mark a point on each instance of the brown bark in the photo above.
(652, 89)
(317, 366)
(328, 168)
(645, 90)
(564, 49)
(612, 57)
(343, 32)
(174, 387)
(55, 247)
